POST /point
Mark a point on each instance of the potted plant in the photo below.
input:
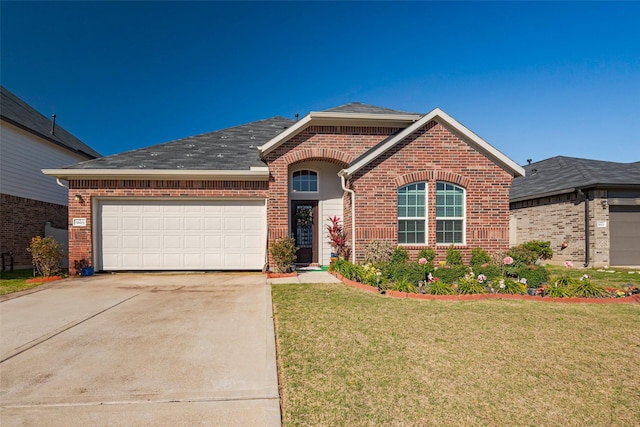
(337, 238)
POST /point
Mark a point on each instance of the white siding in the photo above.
(22, 158)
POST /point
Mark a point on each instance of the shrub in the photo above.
(46, 255)
(378, 252)
(535, 275)
(411, 272)
(454, 257)
(508, 286)
(428, 254)
(470, 285)
(451, 274)
(540, 248)
(522, 256)
(399, 255)
(283, 252)
(440, 288)
(492, 271)
(479, 256)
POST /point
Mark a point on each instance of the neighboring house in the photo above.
(215, 201)
(29, 199)
(588, 209)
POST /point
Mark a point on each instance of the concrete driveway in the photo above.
(143, 349)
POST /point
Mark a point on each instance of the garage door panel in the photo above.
(625, 235)
(180, 235)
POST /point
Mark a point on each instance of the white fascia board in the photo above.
(254, 174)
(337, 118)
(283, 136)
(444, 119)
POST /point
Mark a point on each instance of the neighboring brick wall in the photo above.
(432, 153)
(80, 238)
(21, 219)
(559, 219)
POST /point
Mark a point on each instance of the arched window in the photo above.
(413, 219)
(450, 213)
(305, 181)
(412, 214)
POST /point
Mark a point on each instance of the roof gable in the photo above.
(560, 175)
(17, 112)
(450, 123)
(355, 114)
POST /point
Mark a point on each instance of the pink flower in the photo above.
(568, 264)
(482, 278)
(508, 260)
(422, 261)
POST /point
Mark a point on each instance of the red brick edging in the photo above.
(44, 279)
(475, 297)
(278, 275)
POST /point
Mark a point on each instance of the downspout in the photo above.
(353, 217)
(587, 256)
(61, 184)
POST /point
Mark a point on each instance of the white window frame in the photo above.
(424, 218)
(317, 175)
(462, 218)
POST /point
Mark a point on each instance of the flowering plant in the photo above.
(568, 264)
(338, 237)
(507, 260)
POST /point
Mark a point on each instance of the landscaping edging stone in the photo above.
(279, 275)
(633, 299)
(43, 279)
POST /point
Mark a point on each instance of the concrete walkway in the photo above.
(306, 277)
(138, 350)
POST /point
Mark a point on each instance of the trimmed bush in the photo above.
(492, 271)
(400, 255)
(428, 254)
(535, 275)
(454, 256)
(283, 252)
(46, 255)
(541, 248)
(451, 274)
(478, 257)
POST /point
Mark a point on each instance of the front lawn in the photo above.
(606, 277)
(14, 281)
(346, 357)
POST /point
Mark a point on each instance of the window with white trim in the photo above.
(412, 214)
(450, 215)
(304, 181)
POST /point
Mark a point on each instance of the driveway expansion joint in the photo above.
(58, 331)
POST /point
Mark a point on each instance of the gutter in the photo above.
(587, 255)
(353, 216)
(253, 174)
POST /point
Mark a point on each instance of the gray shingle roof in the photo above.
(19, 113)
(358, 107)
(561, 174)
(234, 148)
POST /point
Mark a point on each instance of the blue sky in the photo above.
(535, 80)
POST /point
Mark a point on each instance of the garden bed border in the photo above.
(633, 299)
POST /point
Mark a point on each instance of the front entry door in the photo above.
(304, 229)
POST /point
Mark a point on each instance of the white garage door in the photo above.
(182, 235)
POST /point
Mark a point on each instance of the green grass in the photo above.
(15, 281)
(609, 278)
(346, 357)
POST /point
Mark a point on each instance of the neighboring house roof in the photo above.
(560, 175)
(17, 112)
(230, 153)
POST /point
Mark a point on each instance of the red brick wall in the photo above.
(430, 154)
(21, 219)
(80, 238)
